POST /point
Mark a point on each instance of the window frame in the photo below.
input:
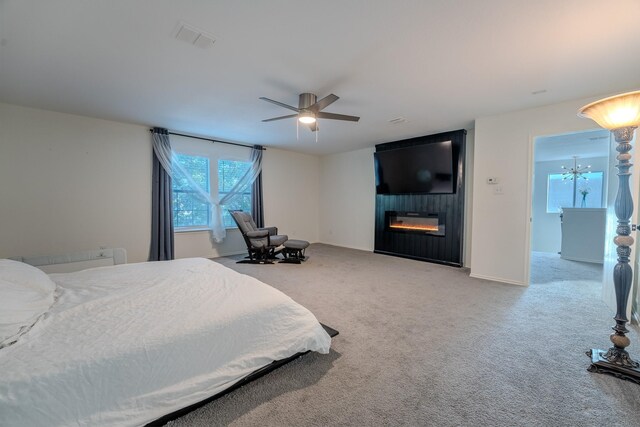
(215, 153)
(570, 183)
(198, 227)
(221, 193)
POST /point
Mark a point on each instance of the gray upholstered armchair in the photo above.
(262, 243)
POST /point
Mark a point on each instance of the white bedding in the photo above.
(127, 344)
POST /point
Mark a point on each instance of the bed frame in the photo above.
(112, 256)
(246, 380)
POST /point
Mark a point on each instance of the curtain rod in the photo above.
(211, 140)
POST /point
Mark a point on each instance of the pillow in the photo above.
(26, 293)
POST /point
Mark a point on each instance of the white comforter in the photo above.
(127, 344)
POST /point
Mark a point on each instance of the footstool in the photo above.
(293, 251)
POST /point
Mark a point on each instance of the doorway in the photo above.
(568, 210)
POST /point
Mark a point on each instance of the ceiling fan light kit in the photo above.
(306, 117)
(310, 109)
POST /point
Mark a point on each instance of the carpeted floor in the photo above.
(425, 345)
(550, 268)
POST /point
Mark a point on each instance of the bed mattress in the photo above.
(127, 344)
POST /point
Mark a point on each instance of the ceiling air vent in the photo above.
(192, 35)
(398, 121)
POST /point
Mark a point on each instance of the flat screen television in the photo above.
(420, 169)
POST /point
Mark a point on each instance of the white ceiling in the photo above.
(585, 145)
(438, 63)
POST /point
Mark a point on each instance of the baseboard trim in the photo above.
(498, 279)
(591, 261)
(234, 253)
(347, 247)
(222, 255)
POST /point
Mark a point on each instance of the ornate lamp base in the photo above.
(621, 115)
(614, 362)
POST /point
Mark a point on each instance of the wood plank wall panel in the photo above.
(446, 249)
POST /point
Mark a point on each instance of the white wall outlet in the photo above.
(492, 180)
(498, 190)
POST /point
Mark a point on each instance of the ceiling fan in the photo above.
(310, 109)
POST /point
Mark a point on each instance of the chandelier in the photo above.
(576, 172)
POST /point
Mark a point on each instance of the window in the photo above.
(213, 171)
(189, 210)
(229, 173)
(588, 191)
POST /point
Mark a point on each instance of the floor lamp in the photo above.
(621, 115)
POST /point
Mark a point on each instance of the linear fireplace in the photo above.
(415, 222)
(412, 225)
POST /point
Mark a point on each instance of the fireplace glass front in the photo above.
(415, 222)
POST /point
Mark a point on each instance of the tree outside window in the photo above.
(229, 173)
(189, 209)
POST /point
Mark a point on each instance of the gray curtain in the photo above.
(161, 199)
(257, 210)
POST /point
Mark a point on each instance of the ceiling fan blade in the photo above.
(279, 103)
(312, 126)
(324, 103)
(280, 118)
(333, 116)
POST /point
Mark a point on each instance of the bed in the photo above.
(128, 344)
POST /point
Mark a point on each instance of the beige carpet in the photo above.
(550, 268)
(425, 345)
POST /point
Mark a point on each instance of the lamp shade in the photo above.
(614, 112)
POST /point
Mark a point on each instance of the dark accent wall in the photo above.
(447, 249)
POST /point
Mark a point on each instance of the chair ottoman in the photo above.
(293, 251)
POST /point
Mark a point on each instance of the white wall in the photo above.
(347, 199)
(70, 183)
(545, 227)
(291, 184)
(199, 244)
(504, 149)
